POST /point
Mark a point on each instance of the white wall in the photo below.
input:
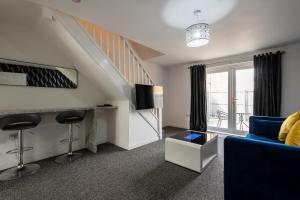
(156, 72)
(178, 105)
(178, 86)
(160, 76)
(291, 80)
(27, 44)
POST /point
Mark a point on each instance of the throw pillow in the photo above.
(293, 137)
(287, 125)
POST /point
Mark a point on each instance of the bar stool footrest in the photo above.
(15, 151)
(67, 140)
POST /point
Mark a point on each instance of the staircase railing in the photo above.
(121, 54)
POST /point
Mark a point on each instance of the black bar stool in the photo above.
(19, 123)
(69, 117)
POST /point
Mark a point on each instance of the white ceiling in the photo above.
(237, 26)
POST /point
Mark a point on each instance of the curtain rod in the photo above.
(282, 52)
(231, 62)
(221, 63)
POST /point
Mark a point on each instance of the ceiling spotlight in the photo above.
(76, 1)
(197, 34)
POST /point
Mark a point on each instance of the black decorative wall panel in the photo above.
(40, 77)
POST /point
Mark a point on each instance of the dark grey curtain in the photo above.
(267, 84)
(198, 120)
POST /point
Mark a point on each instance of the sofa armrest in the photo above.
(265, 126)
(260, 170)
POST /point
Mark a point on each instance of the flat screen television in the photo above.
(144, 97)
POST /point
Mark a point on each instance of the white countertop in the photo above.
(50, 110)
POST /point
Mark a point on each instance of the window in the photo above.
(230, 97)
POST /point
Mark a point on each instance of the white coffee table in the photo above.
(193, 150)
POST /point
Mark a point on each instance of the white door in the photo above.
(230, 98)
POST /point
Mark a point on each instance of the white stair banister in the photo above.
(120, 52)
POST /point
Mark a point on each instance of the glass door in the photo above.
(230, 98)
(244, 89)
(217, 100)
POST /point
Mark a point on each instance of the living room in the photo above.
(169, 99)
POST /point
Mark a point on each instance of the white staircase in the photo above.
(119, 51)
(113, 58)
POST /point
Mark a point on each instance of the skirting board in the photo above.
(174, 127)
(143, 143)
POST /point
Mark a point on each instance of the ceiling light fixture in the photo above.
(76, 1)
(198, 34)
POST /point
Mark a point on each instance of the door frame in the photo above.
(231, 69)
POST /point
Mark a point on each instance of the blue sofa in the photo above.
(259, 166)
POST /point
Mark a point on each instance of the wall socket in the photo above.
(13, 136)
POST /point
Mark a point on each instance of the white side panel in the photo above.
(102, 123)
(119, 125)
(184, 154)
(141, 133)
(149, 116)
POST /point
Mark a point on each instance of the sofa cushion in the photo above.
(287, 125)
(258, 170)
(261, 138)
(266, 128)
(293, 137)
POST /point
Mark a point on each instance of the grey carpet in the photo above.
(114, 174)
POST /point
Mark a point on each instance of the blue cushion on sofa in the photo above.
(266, 128)
(261, 138)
